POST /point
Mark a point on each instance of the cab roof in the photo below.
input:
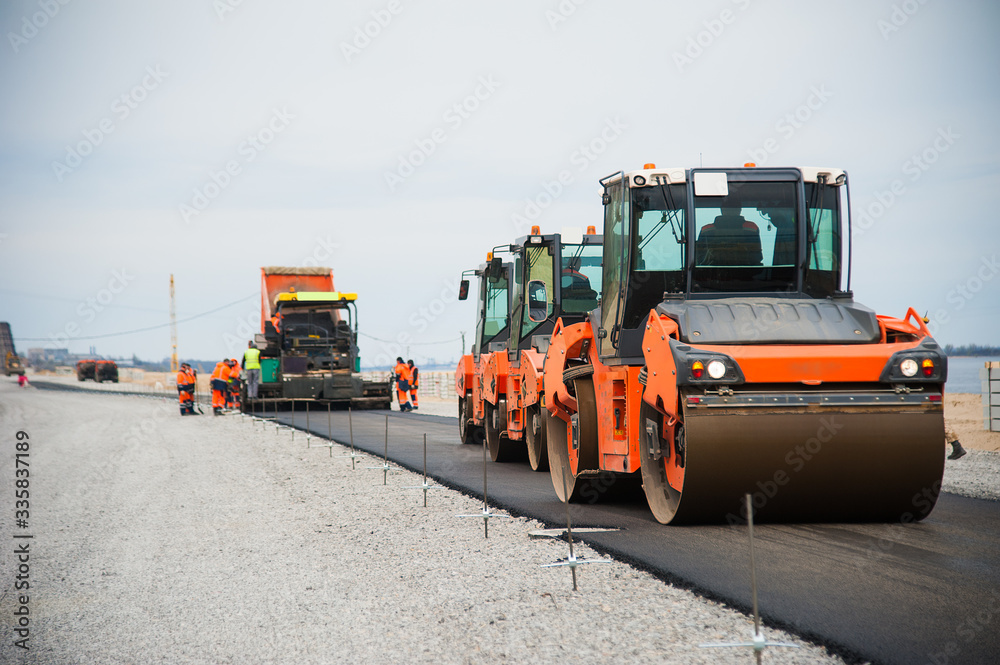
(673, 175)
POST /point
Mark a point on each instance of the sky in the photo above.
(399, 141)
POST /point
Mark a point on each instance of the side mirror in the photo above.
(463, 290)
(538, 306)
(495, 269)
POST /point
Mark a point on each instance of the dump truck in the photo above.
(11, 361)
(555, 276)
(728, 356)
(308, 341)
(86, 369)
(105, 370)
(492, 325)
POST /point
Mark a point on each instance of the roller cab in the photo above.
(553, 276)
(492, 328)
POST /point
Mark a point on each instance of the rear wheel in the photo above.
(565, 461)
(534, 435)
(663, 491)
(465, 426)
(501, 447)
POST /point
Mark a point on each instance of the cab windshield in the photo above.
(746, 240)
(580, 277)
(493, 313)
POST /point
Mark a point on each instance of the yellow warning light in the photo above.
(536, 230)
(591, 230)
(489, 256)
(649, 166)
(749, 165)
(697, 369)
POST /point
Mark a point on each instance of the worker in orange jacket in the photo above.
(220, 384)
(185, 389)
(414, 382)
(233, 394)
(403, 377)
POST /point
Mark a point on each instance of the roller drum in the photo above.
(831, 464)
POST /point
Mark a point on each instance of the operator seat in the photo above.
(730, 240)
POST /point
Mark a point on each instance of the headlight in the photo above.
(716, 369)
(908, 367)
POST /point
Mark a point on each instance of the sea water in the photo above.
(963, 373)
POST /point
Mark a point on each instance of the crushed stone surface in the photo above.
(208, 539)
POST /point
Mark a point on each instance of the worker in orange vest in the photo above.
(233, 396)
(220, 384)
(403, 377)
(414, 382)
(185, 390)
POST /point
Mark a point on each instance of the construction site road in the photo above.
(157, 538)
(889, 593)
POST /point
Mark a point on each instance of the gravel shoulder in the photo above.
(206, 540)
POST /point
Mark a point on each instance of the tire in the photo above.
(534, 437)
(502, 449)
(465, 425)
(663, 499)
(578, 372)
(569, 486)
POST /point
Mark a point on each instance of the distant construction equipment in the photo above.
(11, 361)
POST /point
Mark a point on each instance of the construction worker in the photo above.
(233, 396)
(414, 382)
(185, 389)
(951, 439)
(251, 364)
(220, 383)
(402, 374)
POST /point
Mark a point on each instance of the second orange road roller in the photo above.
(492, 325)
(554, 276)
(728, 356)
